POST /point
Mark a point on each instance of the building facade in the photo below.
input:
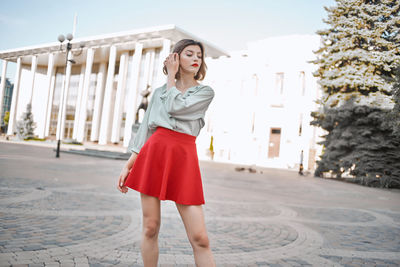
(264, 97)
(260, 114)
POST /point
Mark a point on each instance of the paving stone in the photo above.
(271, 219)
(357, 238)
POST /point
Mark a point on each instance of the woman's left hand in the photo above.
(172, 64)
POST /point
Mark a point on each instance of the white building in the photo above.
(260, 114)
(264, 98)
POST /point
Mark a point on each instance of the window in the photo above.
(279, 82)
(302, 77)
(252, 122)
(276, 131)
(301, 124)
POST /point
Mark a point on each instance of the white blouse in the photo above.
(172, 109)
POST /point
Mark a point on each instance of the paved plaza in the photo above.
(68, 212)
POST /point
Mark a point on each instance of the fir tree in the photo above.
(394, 117)
(26, 126)
(357, 70)
(360, 52)
(360, 142)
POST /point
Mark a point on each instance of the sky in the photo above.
(227, 24)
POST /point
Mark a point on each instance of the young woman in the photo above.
(164, 163)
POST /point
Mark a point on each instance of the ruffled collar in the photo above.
(189, 90)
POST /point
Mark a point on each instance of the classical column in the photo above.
(146, 72)
(78, 102)
(105, 117)
(119, 98)
(133, 93)
(46, 95)
(14, 101)
(50, 102)
(63, 101)
(98, 102)
(33, 72)
(161, 78)
(3, 86)
(151, 68)
(85, 94)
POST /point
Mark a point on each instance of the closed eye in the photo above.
(189, 55)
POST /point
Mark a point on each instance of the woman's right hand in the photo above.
(122, 177)
(172, 64)
(124, 173)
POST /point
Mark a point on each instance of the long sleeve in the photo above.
(190, 107)
(136, 143)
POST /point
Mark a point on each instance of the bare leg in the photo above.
(193, 219)
(151, 226)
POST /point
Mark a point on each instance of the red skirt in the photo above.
(167, 167)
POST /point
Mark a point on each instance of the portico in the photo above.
(102, 89)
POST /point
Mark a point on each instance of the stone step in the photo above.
(98, 153)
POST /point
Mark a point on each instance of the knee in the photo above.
(200, 240)
(151, 229)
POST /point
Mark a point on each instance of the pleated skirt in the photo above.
(167, 167)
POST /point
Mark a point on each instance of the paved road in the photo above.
(67, 212)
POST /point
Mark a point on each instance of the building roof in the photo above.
(126, 39)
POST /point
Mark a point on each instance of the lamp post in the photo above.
(61, 39)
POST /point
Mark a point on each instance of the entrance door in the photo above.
(274, 142)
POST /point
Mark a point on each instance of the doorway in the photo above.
(274, 143)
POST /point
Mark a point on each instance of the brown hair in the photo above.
(178, 48)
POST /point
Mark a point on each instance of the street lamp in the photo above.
(61, 39)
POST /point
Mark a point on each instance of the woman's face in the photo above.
(190, 59)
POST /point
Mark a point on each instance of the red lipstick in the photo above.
(195, 65)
